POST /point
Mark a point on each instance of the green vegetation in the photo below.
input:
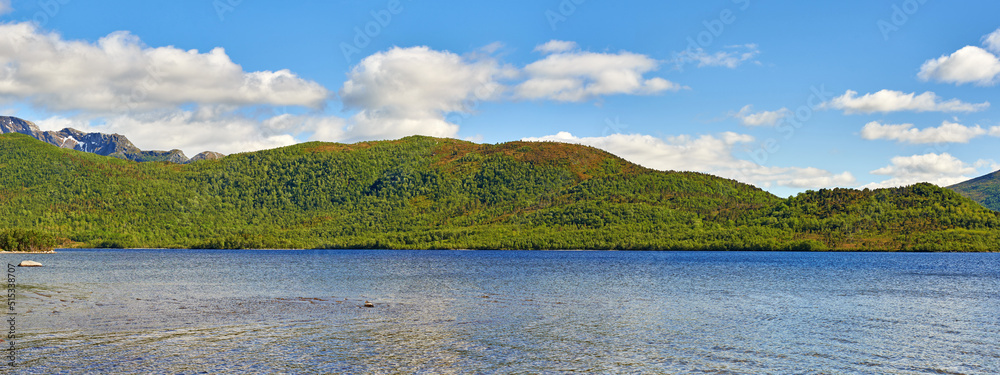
(921, 217)
(985, 190)
(26, 240)
(421, 193)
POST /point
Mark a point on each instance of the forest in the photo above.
(984, 189)
(432, 193)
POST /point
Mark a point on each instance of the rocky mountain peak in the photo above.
(10, 124)
(207, 155)
(115, 145)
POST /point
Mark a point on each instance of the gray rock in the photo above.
(15, 125)
(207, 155)
(114, 145)
(29, 263)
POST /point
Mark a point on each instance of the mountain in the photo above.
(431, 193)
(115, 145)
(206, 155)
(983, 189)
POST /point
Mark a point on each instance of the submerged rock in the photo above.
(29, 263)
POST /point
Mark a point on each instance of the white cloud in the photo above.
(948, 132)
(939, 169)
(706, 153)
(580, 76)
(318, 128)
(763, 118)
(992, 41)
(160, 98)
(492, 47)
(731, 58)
(406, 91)
(119, 74)
(188, 131)
(165, 97)
(811, 178)
(990, 164)
(5, 7)
(968, 65)
(555, 46)
(893, 101)
(702, 153)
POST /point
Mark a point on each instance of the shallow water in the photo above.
(191, 311)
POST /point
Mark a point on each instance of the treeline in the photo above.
(921, 217)
(421, 192)
(23, 240)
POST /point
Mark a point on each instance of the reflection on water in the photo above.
(126, 311)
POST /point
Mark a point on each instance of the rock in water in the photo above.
(369, 304)
(29, 263)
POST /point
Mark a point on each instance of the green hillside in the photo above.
(421, 192)
(984, 189)
(917, 217)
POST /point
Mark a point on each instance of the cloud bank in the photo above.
(764, 118)
(894, 101)
(948, 132)
(939, 169)
(569, 75)
(166, 97)
(711, 154)
(119, 73)
(406, 91)
(732, 57)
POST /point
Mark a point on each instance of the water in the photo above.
(191, 311)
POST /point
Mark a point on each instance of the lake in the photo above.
(260, 312)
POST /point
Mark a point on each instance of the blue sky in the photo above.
(786, 95)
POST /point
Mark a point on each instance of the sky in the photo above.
(785, 95)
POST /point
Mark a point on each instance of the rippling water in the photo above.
(192, 311)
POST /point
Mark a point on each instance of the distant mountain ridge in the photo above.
(115, 145)
(982, 189)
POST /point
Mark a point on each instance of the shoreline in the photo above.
(549, 250)
(28, 252)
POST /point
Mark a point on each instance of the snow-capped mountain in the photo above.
(115, 145)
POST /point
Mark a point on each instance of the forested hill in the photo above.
(421, 192)
(983, 189)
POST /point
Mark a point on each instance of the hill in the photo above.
(983, 189)
(421, 192)
(917, 217)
